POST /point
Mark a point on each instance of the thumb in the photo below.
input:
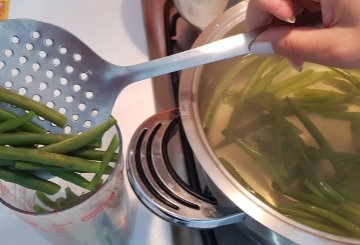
(328, 46)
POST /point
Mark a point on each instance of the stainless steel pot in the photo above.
(170, 199)
(201, 12)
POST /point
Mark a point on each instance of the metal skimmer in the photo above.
(49, 64)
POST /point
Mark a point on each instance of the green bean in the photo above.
(59, 203)
(342, 115)
(322, 203)
(45, 200)
(38, 209)
(222, 87)
(39, 108)
(355, 135)
(352, 208)
(247, 92)
(4, 163)
(308, 168)
(74, 178)
(277, 135)
(319, 95)
(310, 219)
(244, 130)
(258, 157)
(316, 98)
(71, 202)
(69, 193)
(292, 164)
(313, 188)
(348, 193)
(37, 167)
(16, 122)
(312, 107)
(49, 158)
(329, 216)
(348, 76)
(320, 108)
(340, 84)
(27, 127)
(297, 213)
(70, 199)
(81, 140)
(28, 181)
(230, 168)
(311, 127)
(92, 154)
(113, 146)
(321, 226)
(34, 167)
(333, 155)
(56, 205)
(267, 79)
(295, 82)
(26, 138)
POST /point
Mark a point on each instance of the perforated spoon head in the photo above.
(50, 65)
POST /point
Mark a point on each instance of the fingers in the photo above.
(311, 44)
(256, 17)
(261, 12)
(334, 45)
(282, 9)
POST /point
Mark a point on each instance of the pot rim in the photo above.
(232, 189)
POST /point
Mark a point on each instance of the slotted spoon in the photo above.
(51, 65)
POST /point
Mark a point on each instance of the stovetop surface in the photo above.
(167, 33)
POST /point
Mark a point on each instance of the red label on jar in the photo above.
(60, 228)
(99, 208)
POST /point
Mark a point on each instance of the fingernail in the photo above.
(297, 64)
(290, 20)
(261, 48)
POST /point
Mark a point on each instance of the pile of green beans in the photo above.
(282, 109)
(32, 158)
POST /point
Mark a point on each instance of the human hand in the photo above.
(335, 44)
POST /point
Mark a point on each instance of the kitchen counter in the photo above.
(114, 30)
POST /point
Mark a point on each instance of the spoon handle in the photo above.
(218, 50)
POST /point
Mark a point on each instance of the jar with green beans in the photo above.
(62, 184)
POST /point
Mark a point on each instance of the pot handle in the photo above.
(159, 188)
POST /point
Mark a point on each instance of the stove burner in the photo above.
(168, 33)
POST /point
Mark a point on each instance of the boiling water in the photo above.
(218, 115)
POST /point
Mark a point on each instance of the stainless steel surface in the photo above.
(30, 42)
(161, 18)
(200, 13)
(158, 190)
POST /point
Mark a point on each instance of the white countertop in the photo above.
(114, 30)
